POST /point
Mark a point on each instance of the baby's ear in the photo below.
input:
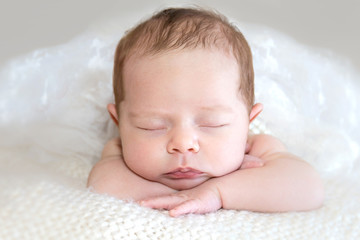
(255, 111)
(113, 114)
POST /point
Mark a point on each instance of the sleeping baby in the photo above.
(184, 99)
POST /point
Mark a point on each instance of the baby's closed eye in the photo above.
(152, 128)
(213, 125)
(217, 121)
(151, 124)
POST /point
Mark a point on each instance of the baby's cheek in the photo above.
(134, 156)
(229, 157)
(143, 158)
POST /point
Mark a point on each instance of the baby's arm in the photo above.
(111, 176)
(284, 183)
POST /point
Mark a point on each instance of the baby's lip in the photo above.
(184, 173)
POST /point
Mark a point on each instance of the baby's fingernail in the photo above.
(143, 203)
(175, 213)
(172, 214)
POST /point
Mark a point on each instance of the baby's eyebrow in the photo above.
(217, 108)
(146, 114)
(159, 114)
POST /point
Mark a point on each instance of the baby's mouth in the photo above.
(184, 173)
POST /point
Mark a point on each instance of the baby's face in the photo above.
(182, 120)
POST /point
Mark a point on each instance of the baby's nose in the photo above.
(183, 141)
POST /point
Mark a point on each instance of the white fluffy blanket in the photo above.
(53, 124)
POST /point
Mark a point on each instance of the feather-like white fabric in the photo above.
(53, 125)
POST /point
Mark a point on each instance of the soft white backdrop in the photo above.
(330, 24)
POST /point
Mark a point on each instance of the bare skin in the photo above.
(265, 182)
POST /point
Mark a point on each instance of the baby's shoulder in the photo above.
(112, 148)
(264, 144)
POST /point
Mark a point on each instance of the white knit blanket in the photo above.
(53, 124)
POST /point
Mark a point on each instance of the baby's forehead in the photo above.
(145, 70)
(199, 68)
(137, 62)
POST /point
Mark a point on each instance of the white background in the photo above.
(30, 24)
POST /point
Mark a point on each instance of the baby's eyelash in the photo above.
(214, 126)
(150, 129)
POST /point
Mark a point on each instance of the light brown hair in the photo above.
(184, 28)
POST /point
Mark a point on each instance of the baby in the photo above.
(184, 98)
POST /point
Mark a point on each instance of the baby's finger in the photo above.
(189, 206)
(247, 148)
(163, 202)
(251, 162)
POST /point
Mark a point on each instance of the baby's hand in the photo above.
(250, 161)
(204, 198)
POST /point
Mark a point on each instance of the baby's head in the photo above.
(184, 93)
(177, 29)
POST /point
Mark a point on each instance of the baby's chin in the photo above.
(184, 184)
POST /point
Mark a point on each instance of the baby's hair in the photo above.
(185, 28)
